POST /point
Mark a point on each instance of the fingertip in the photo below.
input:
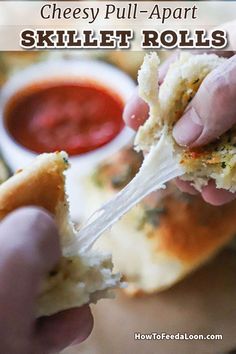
(37, 237)
(188, 128)
(33, 216)
(135, 112)
(215, 196)
(42, 227)
(66, 328)
(87, 327)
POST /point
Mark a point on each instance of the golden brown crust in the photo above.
(43, 187)
(193, 230)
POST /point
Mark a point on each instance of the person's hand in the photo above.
(211, 113)
(29, 250)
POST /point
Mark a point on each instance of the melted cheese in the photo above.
(159, 167)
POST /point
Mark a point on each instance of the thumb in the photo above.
(213, 109)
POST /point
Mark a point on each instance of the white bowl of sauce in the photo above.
(71, 105)
(74, 106)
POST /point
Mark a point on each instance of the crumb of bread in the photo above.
(215, 161)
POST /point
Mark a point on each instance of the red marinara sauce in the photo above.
(77, 118)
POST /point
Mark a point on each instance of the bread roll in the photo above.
(79, 278)
(167, 103)
(163, 238)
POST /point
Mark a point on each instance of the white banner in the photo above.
(27, 25)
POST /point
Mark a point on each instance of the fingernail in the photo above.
(188, 128)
